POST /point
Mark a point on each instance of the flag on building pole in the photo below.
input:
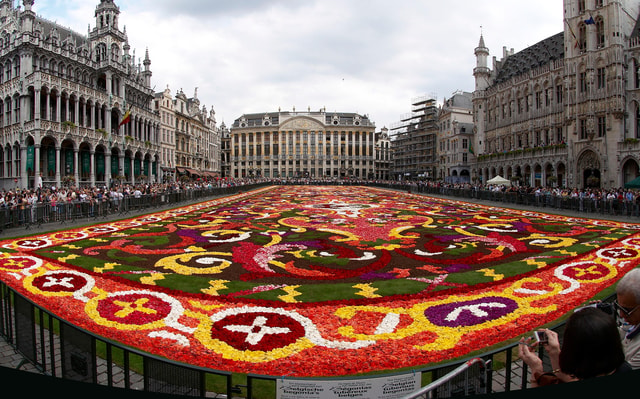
(127, 115)
(575, 38)
(589, 21)
(470, 147)
(126, 118)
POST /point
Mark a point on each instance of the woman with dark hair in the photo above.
(591, 347)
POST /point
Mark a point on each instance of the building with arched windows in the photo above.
(305, 144)
(74, 108)
(565, 111)
(189, 140)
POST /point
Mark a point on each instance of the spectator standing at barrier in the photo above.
(591, 347)
(627, 305)
(32, 200)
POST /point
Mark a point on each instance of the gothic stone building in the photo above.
(63, 97)
(564, 112)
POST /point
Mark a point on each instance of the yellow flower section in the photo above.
(177, 263)
(447, 337)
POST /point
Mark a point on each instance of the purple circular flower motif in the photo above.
(378, 276)
(457, 267)
(469, 313)
(196, 235)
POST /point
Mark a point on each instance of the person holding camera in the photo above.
(627, 306)
(591, 347)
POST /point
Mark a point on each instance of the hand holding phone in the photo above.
(541, 337)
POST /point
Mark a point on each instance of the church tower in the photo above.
(482, 75)
(481, 72)
(106, 39)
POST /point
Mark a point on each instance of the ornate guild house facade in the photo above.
(75, 109)
(303, 144)
(564, 112)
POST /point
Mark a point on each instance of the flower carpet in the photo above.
(320, 281)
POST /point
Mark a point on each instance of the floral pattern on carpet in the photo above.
(320, 280)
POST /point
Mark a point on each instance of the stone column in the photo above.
(24, 178)
(58, 166)
(76, 171)
(57, 116)
(107, 167)
(36, 104)
(92, 168)
(36, 163)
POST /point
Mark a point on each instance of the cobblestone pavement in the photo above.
(10, 358)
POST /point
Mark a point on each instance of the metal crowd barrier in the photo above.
(59, 349)
(62, 350)
(30, 216)
(470, 378)
(612, 207)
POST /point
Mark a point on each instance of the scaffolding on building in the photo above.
(413, 140)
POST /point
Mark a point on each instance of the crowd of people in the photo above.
(620, 199)
(26, 206)
(594, 193)
(615, 201)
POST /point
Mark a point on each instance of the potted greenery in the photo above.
(67, 126)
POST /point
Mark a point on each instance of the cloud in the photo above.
(366, 56)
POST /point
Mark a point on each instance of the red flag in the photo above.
(126, 118)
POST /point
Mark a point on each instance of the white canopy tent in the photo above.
(499, 180)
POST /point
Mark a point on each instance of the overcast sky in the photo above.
(366, 56)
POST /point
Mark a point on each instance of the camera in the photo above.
(541, 337)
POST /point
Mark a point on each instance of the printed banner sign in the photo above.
(390, 387)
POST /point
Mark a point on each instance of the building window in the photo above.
(547, 97)
(583, 129)
(559, 137)
(637, 121)
(519, 106)
(582, 82)
(600, 33)
(602, 126)
(559, 94)
(582, 37)
(601, 78)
